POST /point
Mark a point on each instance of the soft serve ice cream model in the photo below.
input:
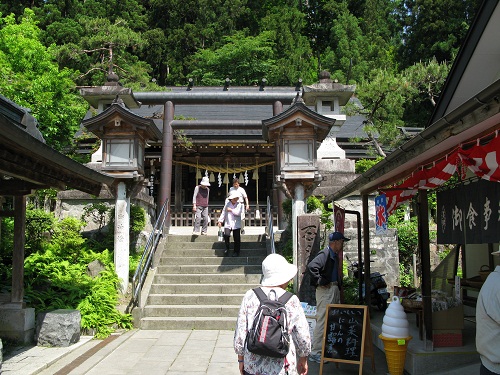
(395, 321)
(395, 336)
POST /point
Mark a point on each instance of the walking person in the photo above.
(243, 199)
(230, 219)
(488, 323)
(277, 273)
(200, 206)
(326, 276)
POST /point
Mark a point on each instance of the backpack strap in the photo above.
(262, 296)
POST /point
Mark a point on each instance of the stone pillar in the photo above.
(309, 233)
(298, 205)
(122, 235)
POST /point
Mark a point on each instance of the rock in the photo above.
(59, 328)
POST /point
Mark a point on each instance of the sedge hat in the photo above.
(335, 236)
(277, 270)
(205, 181)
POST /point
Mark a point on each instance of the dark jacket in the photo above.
(321, 268)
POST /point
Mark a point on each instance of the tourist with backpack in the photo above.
(272, 334)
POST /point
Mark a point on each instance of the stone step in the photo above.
(201, 288)
(229, 311)
(182, 253)
(189, 323)
(213, 239)
(211, 245)
(227, 278)
(209, 269)
(250, 260)
(194, 299)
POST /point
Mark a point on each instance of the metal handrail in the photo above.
(147, 256)
(270, 229)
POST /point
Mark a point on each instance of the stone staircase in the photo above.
(196, 287)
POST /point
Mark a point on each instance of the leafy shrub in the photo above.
(39, 227)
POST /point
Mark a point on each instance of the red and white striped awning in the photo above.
(482, 158)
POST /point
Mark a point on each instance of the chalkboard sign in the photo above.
(345, 332)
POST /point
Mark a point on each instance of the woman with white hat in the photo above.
(277, 273)
(230, 218)
(200, 206)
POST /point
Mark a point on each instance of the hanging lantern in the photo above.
(212, 177)
(241, 177)
(226, 178)
(198, 174)
(255, 175)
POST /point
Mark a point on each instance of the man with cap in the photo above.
(277, 273)
(326, 275)
(230, 218)
(200, 206)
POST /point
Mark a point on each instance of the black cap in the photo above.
(335, 236)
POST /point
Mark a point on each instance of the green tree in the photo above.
(295, 57)
(382, 96)
(426, 82)
(434, 28)
(345, 55)
(31, 77)
(244, 59)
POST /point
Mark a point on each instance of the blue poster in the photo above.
(381, 214)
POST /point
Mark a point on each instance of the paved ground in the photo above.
(151, 352)
(162, 352)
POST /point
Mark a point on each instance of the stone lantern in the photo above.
(124, 136)
(297, 134)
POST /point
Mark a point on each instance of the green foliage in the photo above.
(39, 227)
(30, 76)
(362, 165)
(407, 232)
(98, 308)
(245, 60)
(405, 275)
(351, 290)
(97, 212)
(56, 278)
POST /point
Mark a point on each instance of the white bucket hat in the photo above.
(205, 181)
(233, 194)
(277, 271)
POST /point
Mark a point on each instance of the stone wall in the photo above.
(71, 203)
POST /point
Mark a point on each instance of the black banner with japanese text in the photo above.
(469, 213)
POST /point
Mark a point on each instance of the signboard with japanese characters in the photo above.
(339, 214)
(469, 213)
(380, 214)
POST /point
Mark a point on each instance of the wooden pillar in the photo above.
(18, 253)
(166, 158)
(366, 247)
(425, 258)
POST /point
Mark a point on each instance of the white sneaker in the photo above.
(196, 233)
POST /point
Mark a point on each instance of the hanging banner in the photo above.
(339, 216)
(380, 214)
(469, 214)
